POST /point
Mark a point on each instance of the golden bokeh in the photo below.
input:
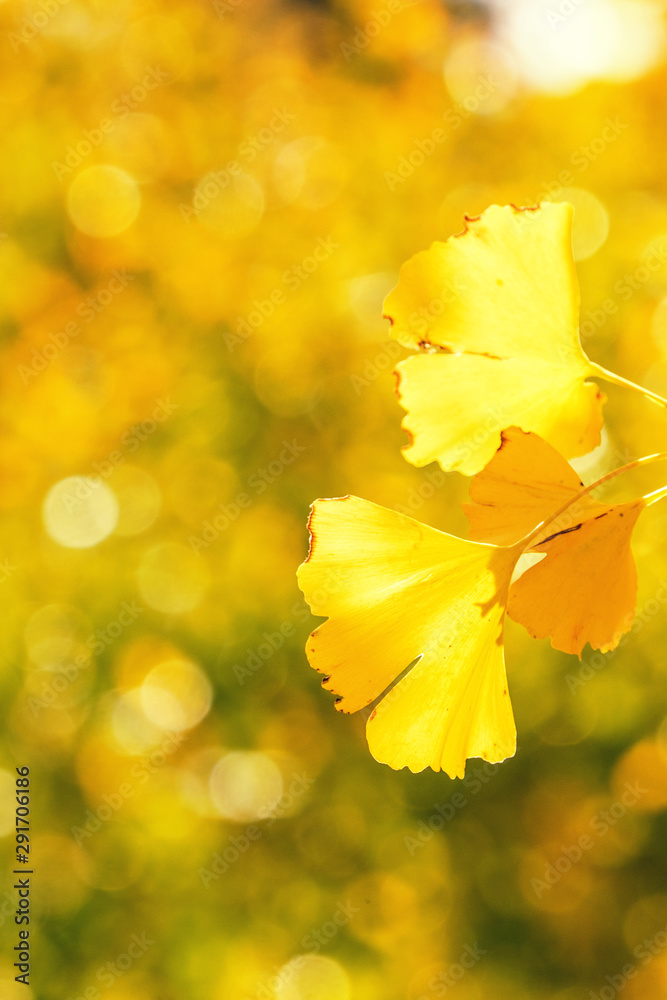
(203, 206)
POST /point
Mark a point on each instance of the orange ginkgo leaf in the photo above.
(525, 482)
(585, 587)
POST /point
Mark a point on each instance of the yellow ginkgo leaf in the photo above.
(396, 591)
(585, 589)
(494, 313)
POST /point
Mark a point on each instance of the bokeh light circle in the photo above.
(172, 578)
(562, 46)
(139, 499)
(245, 786)
(590, 224)
(52, 632)
(133, 731)
(141, 145)
(229, 204)
(310, 171)
(103, 201)
(481, 76)
(643, 766)
(312, 977)
(176, 695)
(79, 512)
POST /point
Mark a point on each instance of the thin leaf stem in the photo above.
(655, 496)
(524, 543)
(619, 380)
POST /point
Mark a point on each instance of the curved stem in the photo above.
(524, 543)
(655, 496)
(619, 380)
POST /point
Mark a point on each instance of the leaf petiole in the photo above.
(524, 543)
(600, 372)
(655, 496)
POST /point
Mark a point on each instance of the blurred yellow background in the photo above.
(202, 207)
